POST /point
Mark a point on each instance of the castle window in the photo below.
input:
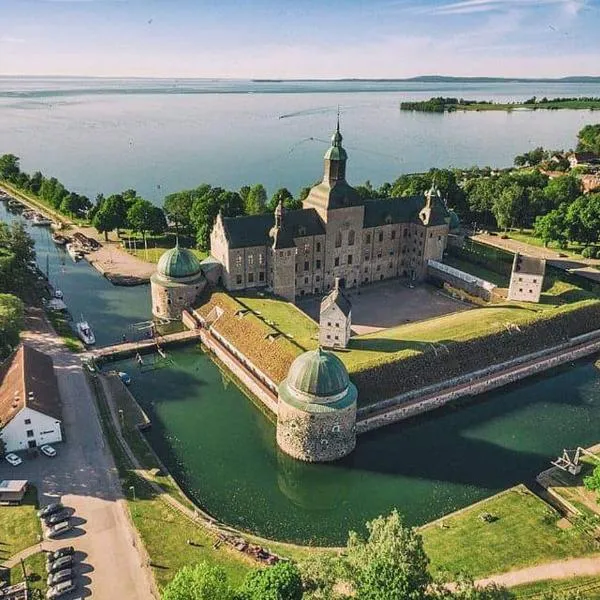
(261, 276)
(366, 269)
(368, 238)
(238, 279)
(388, 220)
(404, 232)
(379, 254)
(535, 281)
(238, 261)
(390, 266)
(439, 238)
(306, 266)
(261, 259)
(337, 325)
(296, 268)
(328, 323)
(328, 337)
(318, 247)
(335, 428)
(391, 253)
(289, 252)
(317, 278)
(338, 239)
(251, 260)
(351, 238)
(393, 234)
(378, 268)
(366, 256)
(430, 234)
(349, 259)
(301, 230)
(250, 277)
(305, 280)
(337, 337)
(306, 248)
(336, 262)
(318, 264)
(381, 236)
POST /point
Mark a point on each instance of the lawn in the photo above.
(586, 587)
(524, 533)
(153, 254)
(526, 236)
(35, 567)
(19, 525)
(283, 316)
(65, 331)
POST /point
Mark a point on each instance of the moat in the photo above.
(222, 449)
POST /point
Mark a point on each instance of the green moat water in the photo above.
(222, 450)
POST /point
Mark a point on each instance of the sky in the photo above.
(300, 38)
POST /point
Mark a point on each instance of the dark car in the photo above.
(60, 589)
(57, 517)
(58, 565)
(49, 510)
(60, 576)
(64, 551)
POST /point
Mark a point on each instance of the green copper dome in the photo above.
(318, 373)
(178, 263)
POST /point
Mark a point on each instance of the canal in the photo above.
(222, 449)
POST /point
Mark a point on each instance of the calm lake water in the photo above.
(161, 136)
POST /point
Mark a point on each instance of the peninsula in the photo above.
(440, 104)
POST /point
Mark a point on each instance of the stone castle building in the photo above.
(335, 319)
(177, 283)
(336, 234)
(527, 278)
(316, 417)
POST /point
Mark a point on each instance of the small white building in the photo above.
(527, 278)
(335, 318)
(30, 406)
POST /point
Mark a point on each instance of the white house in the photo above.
(527, 278)
(30, 406)
(335, 319)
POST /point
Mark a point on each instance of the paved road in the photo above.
(84, 477)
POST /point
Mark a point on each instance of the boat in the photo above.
(56, 304)
(85, 333)
(74, 252)
(58, 294)
(59, 240)
(15, 205)
(28, 214)
(40, 221)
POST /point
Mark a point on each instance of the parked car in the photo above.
(64, 551)
(48, 450)
(57, 517)
(55, 566)
(49, 509)
(13, 459)
(60, 576)
(60, 589)
(58, 530)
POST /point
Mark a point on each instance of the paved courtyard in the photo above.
(389, 303)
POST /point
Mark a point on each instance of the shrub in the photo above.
(589, 252)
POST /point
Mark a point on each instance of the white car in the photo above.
(48, 450)
(13, 459)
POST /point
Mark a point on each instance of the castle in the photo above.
(337, 234)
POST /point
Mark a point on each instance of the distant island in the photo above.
(441, 105)
(449, 79)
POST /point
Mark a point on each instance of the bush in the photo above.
(280, 582)
(589, 252)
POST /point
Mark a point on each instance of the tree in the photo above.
(200, 582)
(256, 200)
(552, 227)
(566, 188)
(11, 323)
(111, 214)
(481, 193)
(9, 167)
(280, 582)
(145, 218)
(583, 219)
(178, 207)
(74, 204)
(508, 206)
(284, 195)
(588, 139)
(35, 182)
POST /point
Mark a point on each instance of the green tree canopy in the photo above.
(588, 139)
(11, 323)
(145, 218)
(566, 188)
(200, 582)
(255, 201)
(280, 582)
(178, 207)
(9, 167)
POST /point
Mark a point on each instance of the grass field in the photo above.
(19, 525)
(65, 331)
(154, 254)
(586, 587)
(526, 236)
(524, 533)
(35, 568)
(283, 316)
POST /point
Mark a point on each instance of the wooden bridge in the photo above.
(125, 349)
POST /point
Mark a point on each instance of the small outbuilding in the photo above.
(30, 405)
(527, 278)
(335, 318)
(12, 491)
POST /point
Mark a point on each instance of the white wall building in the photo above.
(30, 407)
(527, 278)
(335, 319)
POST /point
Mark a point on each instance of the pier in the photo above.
(126, 349)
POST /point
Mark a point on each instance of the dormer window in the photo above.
(301, 230)
(388, 220)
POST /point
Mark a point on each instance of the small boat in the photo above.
(15, 205)
(58, 294)
(85, 333)
(74, 252)
(28, 214)
(56, 304)
(59, 240)
(40, 221)
(124, 377)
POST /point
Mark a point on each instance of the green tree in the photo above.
(35, 182)
(588, 139)
(200, 582)
(11, 323)
(178, 207)
(9, 167)
(256, 200)
(552, 227)
(111, 214)
(508, 206)
(144, 218)
(279, 582)
(583, 219)
(284, 195)
(207, 206)
(566, 188)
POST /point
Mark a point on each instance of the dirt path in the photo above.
(563, 569)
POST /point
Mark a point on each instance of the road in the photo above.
(83, 476)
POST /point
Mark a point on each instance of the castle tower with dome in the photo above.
(316, 418)
(177, 283)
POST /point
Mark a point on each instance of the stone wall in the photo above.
(318, 436)
(169, 300)
(420, 401)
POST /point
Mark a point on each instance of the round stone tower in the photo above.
(177, 283)
(316, 417)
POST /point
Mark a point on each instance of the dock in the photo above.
(126, 349)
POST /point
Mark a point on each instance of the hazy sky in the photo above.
(300, 38)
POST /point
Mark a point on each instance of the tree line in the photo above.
(390, 563)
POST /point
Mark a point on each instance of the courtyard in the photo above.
(389, 303)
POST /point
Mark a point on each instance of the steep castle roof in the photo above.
(529, 265)
(337, 297)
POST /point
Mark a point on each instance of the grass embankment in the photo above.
(586, 587)
(35, 571)
(524, 533)
(19, 525)
(163, 529)
(154, 253)
(63, 328)
(526, 236)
